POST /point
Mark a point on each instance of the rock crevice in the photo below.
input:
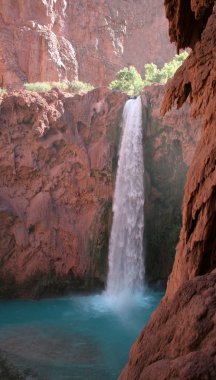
(180, 339)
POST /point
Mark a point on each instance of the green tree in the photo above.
(128, 80)
(169, 69)
(152, 74)
(155, 75)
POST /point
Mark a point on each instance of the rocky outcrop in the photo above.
(56, 40)
(58, 156)
(179, 341)
(196, 251)
(169, 144)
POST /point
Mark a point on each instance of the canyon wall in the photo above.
(58, 156)
(180, 339)
(44, 40)
(57, 172)
(169, 144)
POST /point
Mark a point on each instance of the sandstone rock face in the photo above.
(169, 144)
(179, 341)
(196, 251)
(58, 160)
(57, 164)
(55, 40)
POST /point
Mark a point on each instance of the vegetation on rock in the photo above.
(2, 91)
(77, 87)
(130, 81)
(74, 87)
(155, 75)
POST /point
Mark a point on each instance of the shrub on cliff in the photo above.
(45, 86)
(152, 74)
(155, 75)
(2, 91)
(77, 87)
(128, 80)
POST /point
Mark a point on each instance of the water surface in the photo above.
(75, 337)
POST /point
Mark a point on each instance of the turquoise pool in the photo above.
(74, 337)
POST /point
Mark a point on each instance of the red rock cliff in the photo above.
(196, 251)
(180, 339)
(55, 40)
(57, 158)
(57, 164)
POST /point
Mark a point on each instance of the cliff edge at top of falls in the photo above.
(180, 339)
(44, 40)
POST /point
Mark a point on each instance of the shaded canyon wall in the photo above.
(169, 144)
(180, 339)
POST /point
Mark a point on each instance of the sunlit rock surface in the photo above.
(44, 40)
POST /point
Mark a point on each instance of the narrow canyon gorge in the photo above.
(60, 166)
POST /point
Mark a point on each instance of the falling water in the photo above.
(126, 266)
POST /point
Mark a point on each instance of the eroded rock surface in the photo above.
(196, 251)
(180, 339)
(44, 40)
(57, 164)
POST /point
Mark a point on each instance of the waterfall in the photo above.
(126, 265)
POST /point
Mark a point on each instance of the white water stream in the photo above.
(126, 264)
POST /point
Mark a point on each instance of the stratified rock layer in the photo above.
(179, 341)
(57, 159)
(55, 40)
